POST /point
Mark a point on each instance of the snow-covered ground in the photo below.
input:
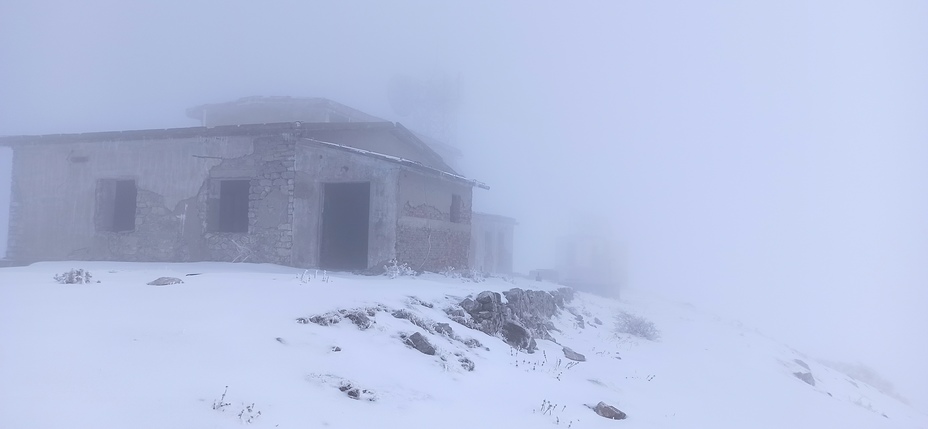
(122, 354)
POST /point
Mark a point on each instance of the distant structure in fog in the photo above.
(591, 262)
(345, 192)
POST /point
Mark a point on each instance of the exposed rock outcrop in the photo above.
(361, 317)
(524, 316)
(486, 311)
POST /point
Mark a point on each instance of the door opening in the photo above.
(345, 222)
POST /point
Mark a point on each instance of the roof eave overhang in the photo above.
(414, 165)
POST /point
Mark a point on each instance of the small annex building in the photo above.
(341, 195)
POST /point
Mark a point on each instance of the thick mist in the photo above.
(763, 161)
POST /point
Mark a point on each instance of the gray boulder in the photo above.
(608, 411)
(486, 311)
(572, 355)
(420, 343)
(533, 309)
(518, 337)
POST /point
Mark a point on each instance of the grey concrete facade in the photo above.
(492, 240)
(56, 211)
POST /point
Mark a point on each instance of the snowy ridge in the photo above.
(121, 353)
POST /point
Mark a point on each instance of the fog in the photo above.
(763, 161)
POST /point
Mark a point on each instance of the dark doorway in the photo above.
(124, 205)
(345, 220)
(116, 205)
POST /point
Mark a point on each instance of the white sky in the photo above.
(765, 159)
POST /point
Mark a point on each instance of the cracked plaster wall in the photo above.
(54, 199)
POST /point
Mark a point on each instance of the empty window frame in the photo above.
(116, 205)
(233, 205)
(457, 209)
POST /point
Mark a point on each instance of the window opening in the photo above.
(233, 205)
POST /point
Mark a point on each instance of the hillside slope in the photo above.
(121, 353)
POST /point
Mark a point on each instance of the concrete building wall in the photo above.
(316, 166)
(55, 189)
(433, 228)
(417, 215)
(491, 245)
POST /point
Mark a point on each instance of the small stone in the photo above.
(609, 412)
(164, 281)
(466, 363)
(572, 355)
(420, 343)
(805, 376)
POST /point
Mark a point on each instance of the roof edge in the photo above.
(454, 177)
(187, 132)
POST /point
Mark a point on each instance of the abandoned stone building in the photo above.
(339, 195)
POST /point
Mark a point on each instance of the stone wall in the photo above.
(426, 237)
(159, 235)
(430, 245)
(271, 173)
